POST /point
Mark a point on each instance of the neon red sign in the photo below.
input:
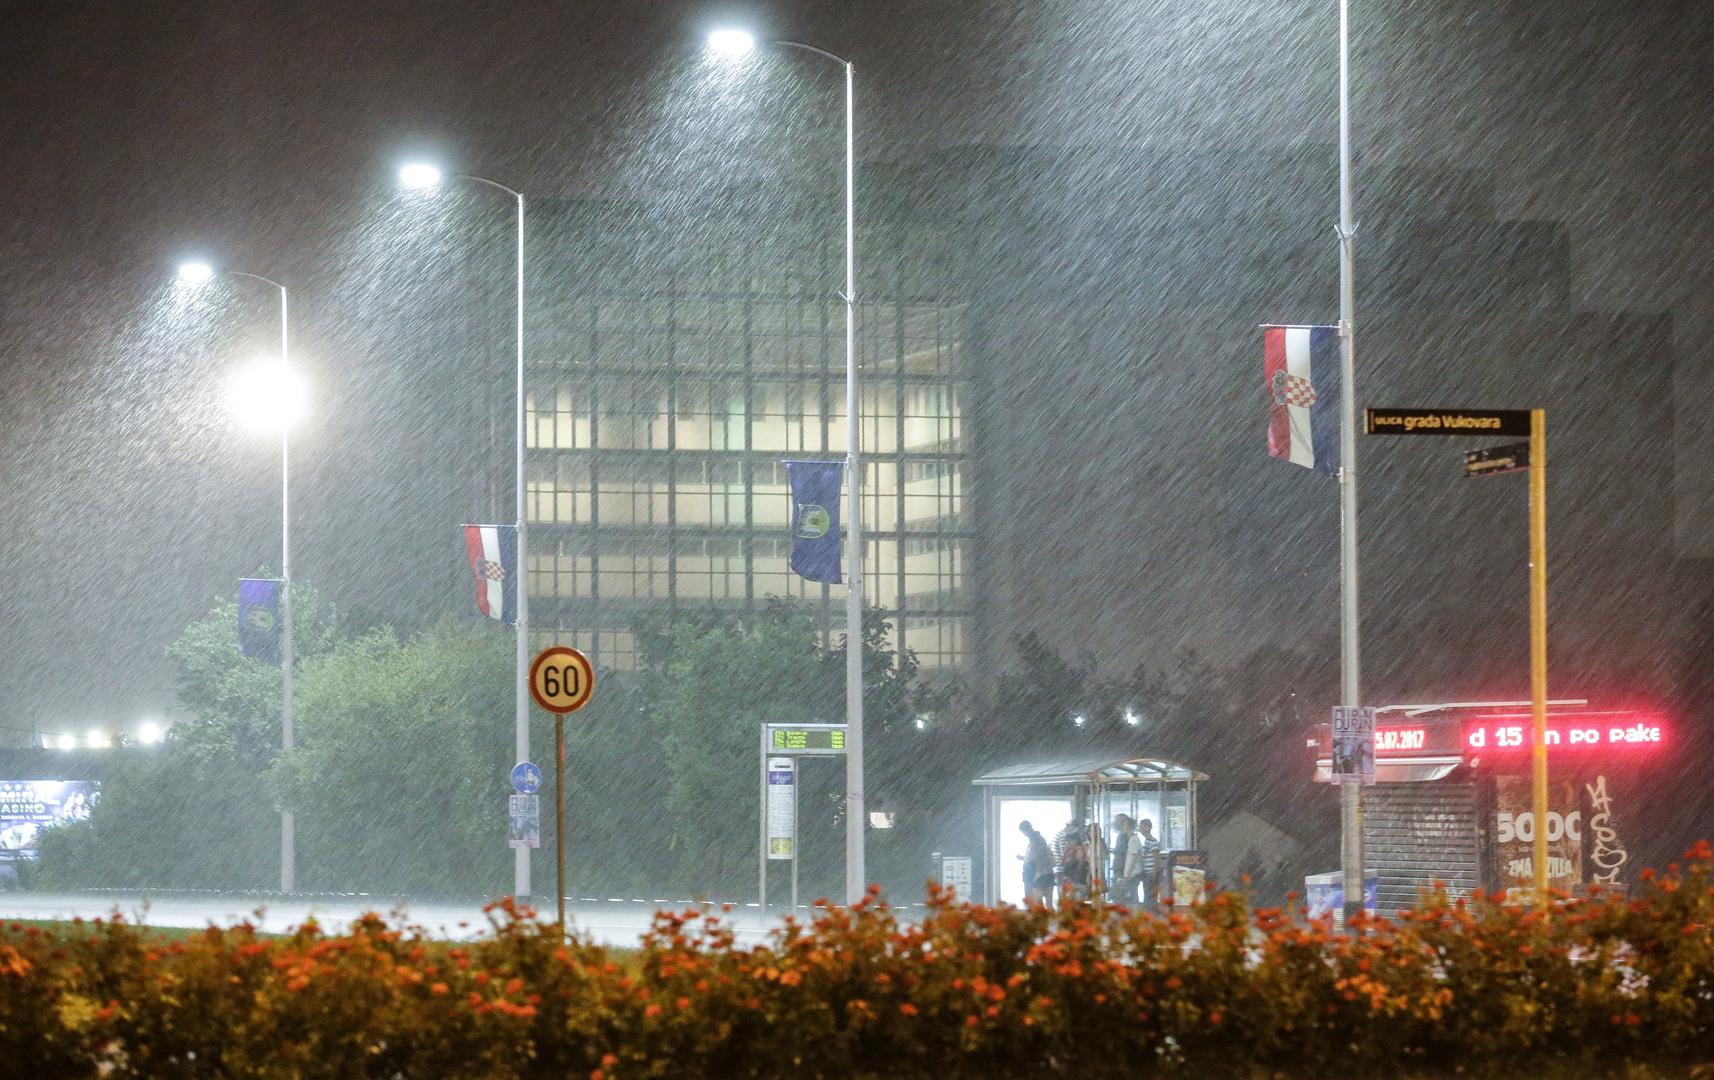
(1498, 734)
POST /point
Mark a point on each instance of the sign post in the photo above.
(1530, 457)
(1538, 643)
(562, 681)
(781, 746)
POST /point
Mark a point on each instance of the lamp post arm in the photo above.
(836, 58)
(514, 192)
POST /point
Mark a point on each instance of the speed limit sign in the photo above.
(561, 679)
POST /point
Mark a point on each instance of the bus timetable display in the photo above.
(807, 740)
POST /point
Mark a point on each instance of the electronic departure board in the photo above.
(806, 740)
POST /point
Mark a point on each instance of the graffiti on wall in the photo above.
(1606, 853)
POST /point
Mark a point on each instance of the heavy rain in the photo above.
(354, 358)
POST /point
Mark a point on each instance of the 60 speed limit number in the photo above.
(561, 679)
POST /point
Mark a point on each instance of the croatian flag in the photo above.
(1301, 366)
(494, 565)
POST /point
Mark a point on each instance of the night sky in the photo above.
(264, 137)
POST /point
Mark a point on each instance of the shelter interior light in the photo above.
(419, 175)
(195, 273)
(68, 742)
(267, 396)
(731, 42)
(1132, 718)
(149, 733)
(99, 739)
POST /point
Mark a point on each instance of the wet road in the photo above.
(610, 922)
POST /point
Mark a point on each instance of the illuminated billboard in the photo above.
(29, 806)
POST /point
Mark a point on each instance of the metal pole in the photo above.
(1350, 791)
(288, 832)
(521, 698)
(856, 878)
(559, 815)
(797, 849)
(762, 827)
(1538, 645)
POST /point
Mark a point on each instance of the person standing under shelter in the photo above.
(1148, 851)
(1038, 866)
(1072, 847)
(1125, 872)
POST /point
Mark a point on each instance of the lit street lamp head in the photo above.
(266, 396)
(419, 175)
(730, 42)
(195, 273)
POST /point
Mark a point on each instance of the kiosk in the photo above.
(1050, 794)
(1451, 798)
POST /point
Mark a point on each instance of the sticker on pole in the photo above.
(524, 821)
(1353, 744)
(526, 778)
(561, 679)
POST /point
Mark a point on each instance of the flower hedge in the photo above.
(1608, 985)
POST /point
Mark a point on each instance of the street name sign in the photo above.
(1447, 421)
(561, 679)
(1494, 460)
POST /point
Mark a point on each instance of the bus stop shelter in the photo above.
(1050, 794)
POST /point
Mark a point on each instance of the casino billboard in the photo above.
(1451, 801)
(29, 806)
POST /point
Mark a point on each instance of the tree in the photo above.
(234, 700)
(194, 813)
(397, 781)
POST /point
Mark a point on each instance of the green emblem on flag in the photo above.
(259, 618)
(812, 521)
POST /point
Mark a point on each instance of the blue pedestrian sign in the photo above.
(526, 778)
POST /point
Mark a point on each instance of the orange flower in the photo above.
(438, 988)
(908, 1009)
(651, 1012)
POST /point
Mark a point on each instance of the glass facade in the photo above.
(657, 424)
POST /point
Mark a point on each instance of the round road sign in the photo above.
(526, 778)
(561, 679)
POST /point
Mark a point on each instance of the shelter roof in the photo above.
(1090, 770)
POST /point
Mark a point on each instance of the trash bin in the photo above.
(1324, 894)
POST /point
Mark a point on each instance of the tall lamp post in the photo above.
(730, 42)
(197, 273)
(418, 175)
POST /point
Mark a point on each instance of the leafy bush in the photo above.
(1601, 986)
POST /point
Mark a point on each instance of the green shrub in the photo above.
(1599, 987)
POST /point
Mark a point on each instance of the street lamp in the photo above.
(420, 175)
(733, 42)
(258, 402)
(266, 398)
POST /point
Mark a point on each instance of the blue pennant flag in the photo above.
(259, 619)
(815, 518)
